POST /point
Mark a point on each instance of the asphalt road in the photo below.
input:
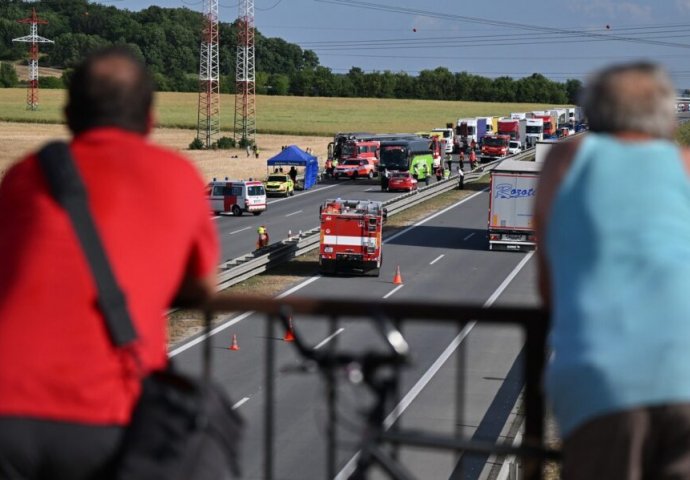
(291, 214)
(444, 259)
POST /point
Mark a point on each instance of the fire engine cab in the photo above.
(351, 236)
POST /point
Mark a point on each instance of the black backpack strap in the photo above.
(68, 189)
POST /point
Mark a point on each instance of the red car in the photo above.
(402, 181)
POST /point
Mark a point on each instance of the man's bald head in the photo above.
(632, 98)
(110, 88)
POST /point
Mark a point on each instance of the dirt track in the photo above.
(17, 139)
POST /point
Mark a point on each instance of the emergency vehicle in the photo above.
(351, 236)
(237, 196)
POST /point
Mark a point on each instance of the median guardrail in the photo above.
(246, 266)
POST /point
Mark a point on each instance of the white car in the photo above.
(514, 147)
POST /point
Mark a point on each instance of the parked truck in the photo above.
(534, 131)
(351, 236)
(550, 123)
(511, 205)
(516, 128)
(471, 129)
(494, 147)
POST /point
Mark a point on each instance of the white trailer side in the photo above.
(511, 205)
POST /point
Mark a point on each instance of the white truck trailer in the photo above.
(511, 216)
(542, 149)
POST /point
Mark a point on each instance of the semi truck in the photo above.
(550, 123)
(511, 205)
(448, 135)
(494, 146)
(534, 131)
(469, 129)
(516, 128)
(351, 236)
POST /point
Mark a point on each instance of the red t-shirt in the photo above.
(56, 359)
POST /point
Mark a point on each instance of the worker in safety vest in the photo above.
(263, 237)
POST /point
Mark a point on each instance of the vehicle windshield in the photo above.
(277, 178)
(534, 129)
(514, 145)
(547, 125)
(349, 150)
(494, 142)
(350, 162)
(394, 157)
(400, 175)
(256, 190)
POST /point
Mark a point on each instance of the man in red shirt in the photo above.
(65, 391)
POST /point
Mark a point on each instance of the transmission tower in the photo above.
(33, 39)
(245, 91)
(208, 118)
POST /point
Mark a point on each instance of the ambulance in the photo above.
(351, 236)
(236, 197)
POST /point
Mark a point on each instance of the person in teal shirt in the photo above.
(613, 225)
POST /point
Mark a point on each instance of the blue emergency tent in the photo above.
(293, 156)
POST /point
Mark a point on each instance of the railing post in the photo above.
(534, 399)
(269, 417)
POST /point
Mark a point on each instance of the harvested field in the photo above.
(17, 139)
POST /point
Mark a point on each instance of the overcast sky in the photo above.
(561, 39)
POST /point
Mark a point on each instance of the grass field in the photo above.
(304, 121)
(285, 115)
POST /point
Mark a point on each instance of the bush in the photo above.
(196, 144)
(245, 142)
(225, 143)
(683, 134)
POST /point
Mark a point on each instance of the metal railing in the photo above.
(533, 322)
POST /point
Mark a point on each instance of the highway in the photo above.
(444, 258)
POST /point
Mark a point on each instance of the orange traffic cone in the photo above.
(397, 279)
(289, 334)
(234, 345)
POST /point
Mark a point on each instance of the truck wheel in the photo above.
(236, 210)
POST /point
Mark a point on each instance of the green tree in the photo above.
(573, 87)
(8, 75)
(280, 84)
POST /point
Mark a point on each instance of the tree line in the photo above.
(168, 39)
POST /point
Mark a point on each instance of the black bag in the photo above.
(182, 427)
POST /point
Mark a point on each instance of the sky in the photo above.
(560, 39)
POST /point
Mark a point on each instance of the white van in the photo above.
(237, 196)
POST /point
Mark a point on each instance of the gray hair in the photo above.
(634, 97)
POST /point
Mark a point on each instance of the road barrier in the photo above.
(248, 265)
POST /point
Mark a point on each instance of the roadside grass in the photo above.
(285, 114)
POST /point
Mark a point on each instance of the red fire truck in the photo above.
(351, 236)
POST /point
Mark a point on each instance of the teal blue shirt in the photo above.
(618, 245)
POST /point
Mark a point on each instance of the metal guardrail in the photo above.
(248, 265)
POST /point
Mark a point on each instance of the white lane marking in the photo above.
(240, 230)
(403, 232)
(236, 319)
(434, 368)
(437, 259)
(240, 403)
(329, 338)
(302, 193)
(393, 291)
(468, 237)
(294, 213)
(308, 281)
